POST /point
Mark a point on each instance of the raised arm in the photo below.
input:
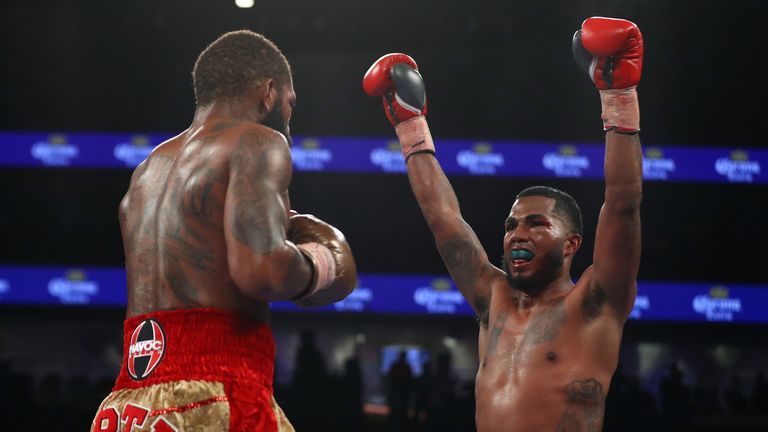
(396, 79)
(612, 49)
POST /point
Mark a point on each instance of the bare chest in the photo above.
(525, 339)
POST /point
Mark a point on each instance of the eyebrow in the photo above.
(528, 218)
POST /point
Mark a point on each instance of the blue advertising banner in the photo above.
(382, 155)
(394, 294)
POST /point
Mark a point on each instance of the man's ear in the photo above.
(572, 244)
(269, 98)
(264, 94)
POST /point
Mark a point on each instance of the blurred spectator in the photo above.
(443, 413)
(310, 408)
(423, 393)
(674, 400)
(399, 381)
(735, 401)
(351, 397)
(759, 402)
(705, 396)
(629, 407)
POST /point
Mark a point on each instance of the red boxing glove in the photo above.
(395, 77)
(611, 51)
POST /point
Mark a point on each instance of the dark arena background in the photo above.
(88, 88)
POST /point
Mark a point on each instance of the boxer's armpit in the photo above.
(593, 303)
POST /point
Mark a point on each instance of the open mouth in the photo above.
(520, 256)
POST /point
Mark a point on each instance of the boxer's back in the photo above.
(172, 226)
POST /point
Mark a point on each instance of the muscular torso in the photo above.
(546, 367)
(172, 225)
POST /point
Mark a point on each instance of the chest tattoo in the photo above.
(493, 341)
(545, 326)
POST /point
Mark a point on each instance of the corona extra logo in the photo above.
(481, 159)
(717, 305)
(439, 297)
(55, 151)
(134, 152)
(566, 162)
(309, 155)
(389, 157)
(73, 288)
(356, 301)
(656, 166)
(738, 168)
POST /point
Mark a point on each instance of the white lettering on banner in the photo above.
(438, 301)
(565, 165)
(642, 303)
(131, 154)
(388, 159)
(54, 154)
(356, 301)
(658, 169)
(73, 291)
(717, 309)
(737, 171)
(480, 163)
(311, 159)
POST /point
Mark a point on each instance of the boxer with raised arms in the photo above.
(209, 241)
(547, 346)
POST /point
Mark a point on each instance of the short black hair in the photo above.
(233, 63)
(564, 204)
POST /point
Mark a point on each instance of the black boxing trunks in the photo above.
(193, 369)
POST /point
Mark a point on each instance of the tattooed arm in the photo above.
(459, 247)
(617, 242)
(262, 263)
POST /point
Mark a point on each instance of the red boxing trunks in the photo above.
(193, 369)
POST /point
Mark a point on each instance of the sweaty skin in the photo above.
(546, 355)
(205, 216)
